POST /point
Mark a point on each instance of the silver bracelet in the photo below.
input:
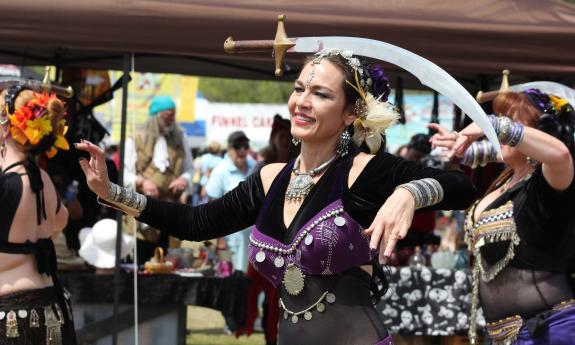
(475, 151)
(426, 192)
(508, 132)
(480, 153)
(127, 197)
(434, 193)
(504, 128)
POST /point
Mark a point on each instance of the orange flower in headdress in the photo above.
(20, 117)
(17, 134)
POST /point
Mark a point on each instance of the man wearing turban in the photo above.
(160, 165)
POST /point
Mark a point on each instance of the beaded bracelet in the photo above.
(426, 192)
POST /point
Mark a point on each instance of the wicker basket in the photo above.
(157, 265)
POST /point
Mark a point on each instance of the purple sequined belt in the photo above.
(512, 329)
(386, 341)
(329, 243)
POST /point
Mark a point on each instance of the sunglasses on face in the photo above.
(241, 145)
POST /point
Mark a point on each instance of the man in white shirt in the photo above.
(158, 164)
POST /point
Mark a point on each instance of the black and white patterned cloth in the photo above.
(428, 301)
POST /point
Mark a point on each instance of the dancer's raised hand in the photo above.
(95, 169)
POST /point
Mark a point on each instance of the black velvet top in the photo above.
(545, 221)
(240, 207)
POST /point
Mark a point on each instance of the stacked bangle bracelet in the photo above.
(126, 197)
(479, 154)
(508, 132)
(426, 192)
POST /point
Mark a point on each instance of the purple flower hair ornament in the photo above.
(380, 83)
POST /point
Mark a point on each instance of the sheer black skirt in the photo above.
(350, 320)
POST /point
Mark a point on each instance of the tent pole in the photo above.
(117, 271)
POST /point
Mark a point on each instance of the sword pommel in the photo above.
(504, 81)
(47, 86)
(279, 46)
(482, 97)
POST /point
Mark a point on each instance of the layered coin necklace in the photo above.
(302, 184)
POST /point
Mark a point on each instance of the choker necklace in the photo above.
(300, 186)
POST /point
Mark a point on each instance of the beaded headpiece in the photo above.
(374, 113)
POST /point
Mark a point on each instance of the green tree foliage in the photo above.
(245, 91)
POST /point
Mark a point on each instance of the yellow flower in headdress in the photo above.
(60, 142)
(61, 131)
(37, 129)
(558, 103)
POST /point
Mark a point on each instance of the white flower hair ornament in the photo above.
(374, 117)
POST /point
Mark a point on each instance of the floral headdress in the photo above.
(31, 124)
(557, 118)
(374, 113)
(548, 103)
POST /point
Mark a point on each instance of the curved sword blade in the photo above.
(427, 72)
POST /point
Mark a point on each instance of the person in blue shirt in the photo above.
(236, 166)
(208, 162)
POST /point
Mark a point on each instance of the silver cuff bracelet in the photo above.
(426, 192)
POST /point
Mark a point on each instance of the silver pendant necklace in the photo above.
(301, 185)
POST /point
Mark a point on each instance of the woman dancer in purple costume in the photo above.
(322, 220)
(522, 232)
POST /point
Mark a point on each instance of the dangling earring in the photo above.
(532, 161)
(3, 148)
(296, 141)
(343, 146)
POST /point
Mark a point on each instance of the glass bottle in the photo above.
(417, 260)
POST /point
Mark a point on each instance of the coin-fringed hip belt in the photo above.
(327, 297)
(32, 314)
(319, 306)
(506, 331)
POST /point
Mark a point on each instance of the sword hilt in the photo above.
(490, 95)
(279, 46)
(38, 86)
(231, 46)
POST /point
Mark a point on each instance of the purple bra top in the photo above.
(331, 242)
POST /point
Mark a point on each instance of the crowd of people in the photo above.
(315, 217)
